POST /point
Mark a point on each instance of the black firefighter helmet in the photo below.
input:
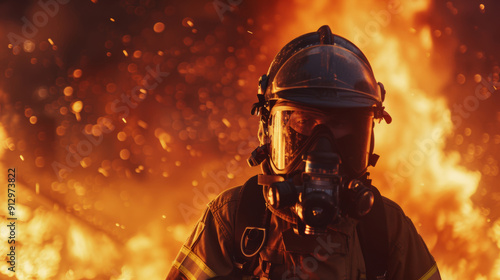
(318, 78)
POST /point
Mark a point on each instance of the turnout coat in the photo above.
(210, 251)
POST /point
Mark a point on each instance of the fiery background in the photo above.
(124, 118)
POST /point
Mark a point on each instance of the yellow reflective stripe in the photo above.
(429, 273)
(198, 262)
(184, 271)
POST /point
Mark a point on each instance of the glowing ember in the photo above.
(77, 73)
(77, 106)
(187, 22)
(226, 122)
(33, 119)
(28, 46)
(68, 91)
(124, 154)
(159, 27)
(482, 8)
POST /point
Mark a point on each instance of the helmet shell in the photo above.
(324, 70)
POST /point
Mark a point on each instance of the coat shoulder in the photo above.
(226, 198)
(391, 206)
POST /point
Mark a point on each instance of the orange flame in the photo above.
(415, 171)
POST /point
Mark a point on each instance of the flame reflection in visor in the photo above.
(292, 126)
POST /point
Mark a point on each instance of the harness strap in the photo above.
(251, 226)
(373, 237)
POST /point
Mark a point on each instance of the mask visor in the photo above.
(291, 128)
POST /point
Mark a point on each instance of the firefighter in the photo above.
(313, 212)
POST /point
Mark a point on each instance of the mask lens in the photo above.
(291, 128)
(285, 140)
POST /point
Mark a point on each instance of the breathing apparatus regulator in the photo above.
(317, 106)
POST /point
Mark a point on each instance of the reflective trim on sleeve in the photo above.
(192, 266)
(431, 274)
(184, 271)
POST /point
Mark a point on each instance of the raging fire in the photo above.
(416, 170)
(117, 160)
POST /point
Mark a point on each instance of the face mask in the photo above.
(319, 191)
